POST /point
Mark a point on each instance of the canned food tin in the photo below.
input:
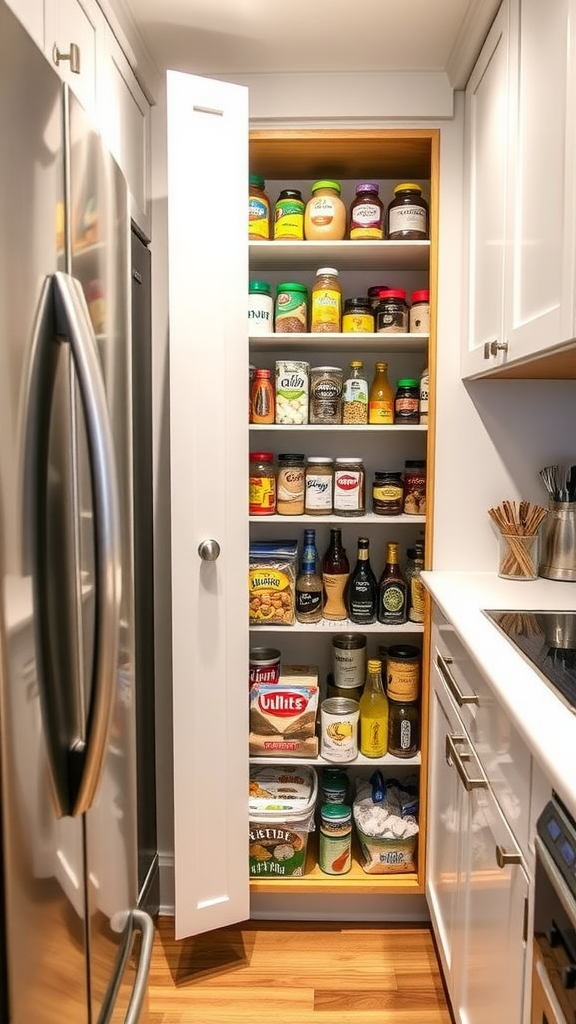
(349, 659)
(335, 839)
(339, 729)
(264, 665)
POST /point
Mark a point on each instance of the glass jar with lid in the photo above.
(258, 209)
(407, 213)
(358, 316)
(325, 214)
(319, 486)
(326, 311)
(289, 215)
(367, 212)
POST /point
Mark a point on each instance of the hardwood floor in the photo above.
(305, 973)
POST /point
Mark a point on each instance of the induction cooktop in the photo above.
(547, 640)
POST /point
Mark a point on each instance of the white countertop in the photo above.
(547, 726)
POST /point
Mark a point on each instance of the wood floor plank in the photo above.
(305, 973)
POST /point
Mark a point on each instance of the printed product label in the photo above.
(289, 219)
(322, 210)
(366, 221)
(347, 490)
(381, 412)
(407, 218)
(319, 492)
(262, 496)
(357, 323)
(326, 309)
(258, 218)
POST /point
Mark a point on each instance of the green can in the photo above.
(335, 839)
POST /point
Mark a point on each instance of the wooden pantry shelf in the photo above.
(345, 255)
(330, 343)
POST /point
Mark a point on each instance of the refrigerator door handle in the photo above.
(72, 311)
(137, 920)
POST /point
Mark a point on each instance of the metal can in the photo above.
(264, 665)
(349, 660)
(335, 839)
(339, 729)
(349, 487)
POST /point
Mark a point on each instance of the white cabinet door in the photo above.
(487, 125)
(123, 116)
(31, 15)
(495, 906)
(444, 825)
(208, 275)
(80, 22)
(539, 286)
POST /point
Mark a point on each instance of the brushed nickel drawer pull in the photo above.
(460, 698)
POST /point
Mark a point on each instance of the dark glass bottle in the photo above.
(335, 573)
(392, 590)
(362, 589)
(309, 587)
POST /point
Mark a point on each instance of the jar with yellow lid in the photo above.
(407, 214)
(325, 214)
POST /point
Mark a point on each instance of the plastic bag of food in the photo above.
(272, 582)
(386, 834)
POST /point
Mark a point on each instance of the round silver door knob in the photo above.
(209, 550)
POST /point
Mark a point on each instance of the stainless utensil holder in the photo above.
(558, 547)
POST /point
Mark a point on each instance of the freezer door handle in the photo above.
(136, 921)
(63, 314)
(70, 301)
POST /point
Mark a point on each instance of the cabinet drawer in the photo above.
(504, 757)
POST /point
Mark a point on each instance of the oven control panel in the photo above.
(557, 830)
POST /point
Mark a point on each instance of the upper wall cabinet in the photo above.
(76, 38)
(520, 180)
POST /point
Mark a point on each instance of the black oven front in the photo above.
(554, 964)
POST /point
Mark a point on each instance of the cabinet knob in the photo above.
(503, 858)
(73, 56)
(492, 348)
(209, 550)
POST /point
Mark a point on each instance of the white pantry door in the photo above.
(208, 286)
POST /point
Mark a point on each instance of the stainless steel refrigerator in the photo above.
(77, 944)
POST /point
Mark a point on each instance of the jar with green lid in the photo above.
(335, 839)
(258, 209)
(407, 213)
(289, 215)
(407, 402)
(358, 316)
(334, 785)
(291, 308)
(260, 308)
(325, 214)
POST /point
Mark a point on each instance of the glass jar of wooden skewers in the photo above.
(518, 523)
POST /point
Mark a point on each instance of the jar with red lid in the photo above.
(367, 212)
(392, 312)
(420, 312)
(262, 484)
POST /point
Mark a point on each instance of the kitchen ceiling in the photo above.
(226, 37)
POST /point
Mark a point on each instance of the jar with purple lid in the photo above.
(367, 212)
